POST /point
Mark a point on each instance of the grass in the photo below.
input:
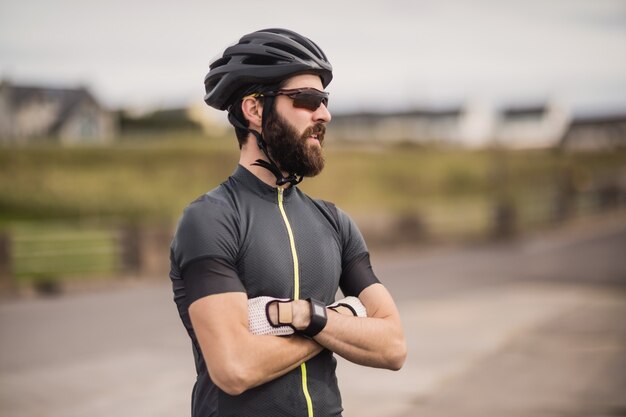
(154, 180)
(59, 204)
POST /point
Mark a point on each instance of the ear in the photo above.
(252, 110)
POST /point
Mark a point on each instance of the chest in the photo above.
(289, 250)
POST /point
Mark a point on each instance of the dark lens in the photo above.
(309, 100)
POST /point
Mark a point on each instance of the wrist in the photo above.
(317, 318)
(301, 314)
(308, 317)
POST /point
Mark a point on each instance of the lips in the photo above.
(316, 132)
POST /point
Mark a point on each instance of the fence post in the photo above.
(504, 216)
(145, 250)
(565, 203)
(609, 195)
(130, 251)
(504, 220)
(7, 282)
(154, 249)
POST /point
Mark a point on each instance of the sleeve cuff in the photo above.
(209, 276)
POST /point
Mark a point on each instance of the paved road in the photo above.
(531, 328)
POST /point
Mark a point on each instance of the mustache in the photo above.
(318, 129)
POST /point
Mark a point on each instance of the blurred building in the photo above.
(65, 115)
(541, 125)
(425, 125)
(531, 126)
(592, 132)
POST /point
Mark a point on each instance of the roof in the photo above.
(523, 112)
(601, 119)
(410, 114)
(67, 99)
(21, 94)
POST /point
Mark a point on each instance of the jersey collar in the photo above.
(258, 187)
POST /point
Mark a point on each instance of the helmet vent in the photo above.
(211, 84)
(259, 60)
(292, 51)
(220, 62)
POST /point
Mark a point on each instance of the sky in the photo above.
(386, 55)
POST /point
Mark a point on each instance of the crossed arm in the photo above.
(376, 341)
(238, 360)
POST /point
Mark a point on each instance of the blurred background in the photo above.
(481, 148)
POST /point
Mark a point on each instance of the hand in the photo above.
(282, 316)
(260, 321)
(349, 306)
(296, 313)
(301, 314)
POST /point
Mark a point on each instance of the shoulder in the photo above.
(207, 227)
(215, 202)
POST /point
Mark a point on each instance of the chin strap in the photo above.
(271, 166)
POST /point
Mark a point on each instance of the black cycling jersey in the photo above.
(246, 236)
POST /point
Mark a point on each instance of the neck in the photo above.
(250, 152)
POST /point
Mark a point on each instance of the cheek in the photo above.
(302, 120)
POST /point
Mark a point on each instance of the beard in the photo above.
(291, 150)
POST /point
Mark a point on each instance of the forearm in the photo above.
(251, 360)
(236, 359)
(261, 359)
(376, 340)
(371, 341)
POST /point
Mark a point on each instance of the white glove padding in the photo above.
(353, 304)
(258, 320)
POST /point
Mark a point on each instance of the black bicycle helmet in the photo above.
(263, 57)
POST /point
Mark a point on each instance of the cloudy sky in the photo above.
(386, 54)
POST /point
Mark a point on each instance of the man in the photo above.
(255, 261)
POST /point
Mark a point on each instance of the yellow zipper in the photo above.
(296, 294)
(292, 243)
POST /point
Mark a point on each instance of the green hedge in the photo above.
(153, 180)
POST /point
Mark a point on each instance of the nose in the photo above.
(322, 114)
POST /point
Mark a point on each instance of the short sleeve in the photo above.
(357, 273)
(205, 248)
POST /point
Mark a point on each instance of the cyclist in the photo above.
(256, 263)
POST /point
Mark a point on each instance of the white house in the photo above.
(416, 126)
(65, 115)
(531, 126)
(478, 124)
(599, 131)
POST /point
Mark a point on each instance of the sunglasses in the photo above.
(303, 98)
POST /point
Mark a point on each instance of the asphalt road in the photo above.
(468, 313)
(588, 253)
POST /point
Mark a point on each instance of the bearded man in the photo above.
(256, 264)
